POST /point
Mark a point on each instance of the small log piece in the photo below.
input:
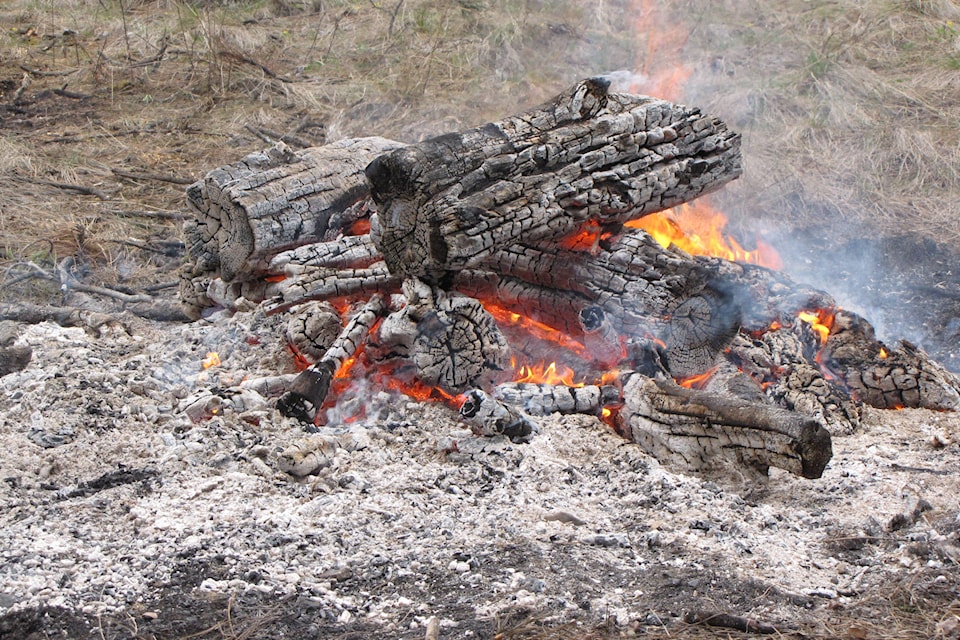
(246, 213)
(309, 389)
(700, 429)
(488, 416)
(544, 399)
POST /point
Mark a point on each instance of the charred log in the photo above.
(698, 429)
(270, 201)
(545, 399)
(450, 338)
(589, 156)
(310, 388)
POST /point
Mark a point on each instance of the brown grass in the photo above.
(850, 111)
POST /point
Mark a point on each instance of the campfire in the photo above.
(526, 267)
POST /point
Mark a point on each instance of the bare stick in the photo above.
(151, 176)
(728, 621)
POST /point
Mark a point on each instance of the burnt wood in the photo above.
(529, 217)
(589, 156)
(699, 429)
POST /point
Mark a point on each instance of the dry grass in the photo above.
(850, 111)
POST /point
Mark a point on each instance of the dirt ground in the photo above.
(123, 518)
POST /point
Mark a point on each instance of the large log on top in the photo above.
(588, 157)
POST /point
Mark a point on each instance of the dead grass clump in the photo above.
(850, 108)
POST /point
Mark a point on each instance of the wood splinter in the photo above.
(310, 387)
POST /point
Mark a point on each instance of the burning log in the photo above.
(310, 388)
(697, 429)
(886, 378)
(312, 330)
(460, 200)
(451, 339)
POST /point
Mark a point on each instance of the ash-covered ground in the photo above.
(122, 517)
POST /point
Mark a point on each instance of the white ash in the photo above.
(111, 491)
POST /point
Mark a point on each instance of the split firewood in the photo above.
(700, 429)
(589, 156)
(309, 389)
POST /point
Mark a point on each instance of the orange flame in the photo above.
(697, 228)
(212, 360)
(698, 381)
(551, 373)
(820, 320)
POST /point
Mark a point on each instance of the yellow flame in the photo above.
(212, 360)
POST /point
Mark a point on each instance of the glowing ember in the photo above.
(698, 381)
(212, 360)
(345, 368)
(300, 361)
(360, 227)
(820, 320)
(697, 228)
(507, 318)
(883, 353)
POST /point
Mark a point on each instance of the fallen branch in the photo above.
(47, 74)
(728, 621)
(77, 188)
(272, 137)
(73, 95)
(26, 313)
(151, 176)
